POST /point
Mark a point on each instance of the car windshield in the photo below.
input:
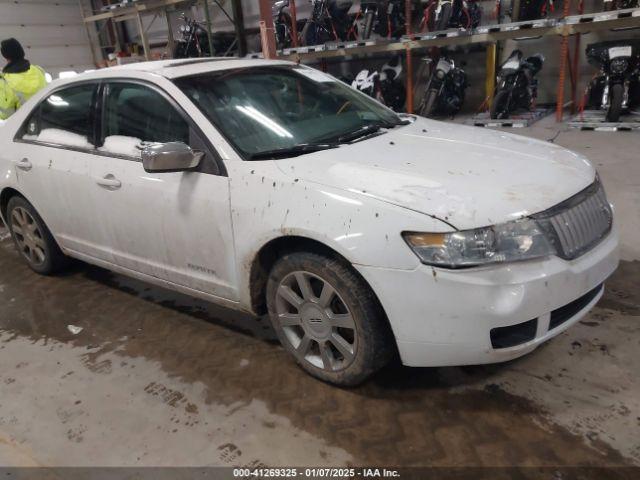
(266, 109)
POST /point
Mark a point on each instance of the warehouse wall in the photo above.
(52, 33)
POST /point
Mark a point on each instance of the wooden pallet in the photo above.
(519, 120)
(594, 120)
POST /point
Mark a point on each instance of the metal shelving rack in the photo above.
(569, 26)
(155, 7)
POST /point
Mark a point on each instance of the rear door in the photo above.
(53, 152)
(172, 226)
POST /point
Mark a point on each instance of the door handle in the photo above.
(24, 164)
(110, 182)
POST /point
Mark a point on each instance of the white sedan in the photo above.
(273, 188)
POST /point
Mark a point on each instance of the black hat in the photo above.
(12, 50)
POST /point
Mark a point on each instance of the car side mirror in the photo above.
(170, 157)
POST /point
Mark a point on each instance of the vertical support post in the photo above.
(294, 22)
(238, 23)
(207, 16)
(490, 81)
(267, 30)
(576, 64)
(143, 37)
(409, 79)
(171, 41)
(89, 37)
(564, 52)
(564, 60)
(407, 15)
(408, 10)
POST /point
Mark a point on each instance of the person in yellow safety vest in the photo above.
(25, 79)
(8, 100)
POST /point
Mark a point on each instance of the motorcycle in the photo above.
(444, 14)
(329, 21)
(366, 20)
(445, 90)
(282, 24)
(385, 85)
(618, 85)
(524, 10)
(386, 18)
(609, 5)
(517, 86)
(195, 40)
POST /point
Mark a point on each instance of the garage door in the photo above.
(51, 32)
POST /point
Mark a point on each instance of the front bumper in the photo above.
(445, 317)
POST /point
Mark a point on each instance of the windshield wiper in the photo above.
(368, 130)
(293, 151)
(360, 133)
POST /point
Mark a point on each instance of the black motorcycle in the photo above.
(444, 14)
(195, 41)
(609, 5)
(329, 21)
(517, 86)
(282, 24)
(385, 86)
(367, 20)
(617, 87)
(445, 90)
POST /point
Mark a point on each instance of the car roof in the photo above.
(174, 68)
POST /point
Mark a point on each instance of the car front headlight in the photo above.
(508, 242)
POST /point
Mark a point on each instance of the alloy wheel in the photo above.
(316, 321)
(28, 236)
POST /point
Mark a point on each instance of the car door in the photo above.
(173, 226)
(54, 149)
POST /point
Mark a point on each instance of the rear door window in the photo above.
(64, 118)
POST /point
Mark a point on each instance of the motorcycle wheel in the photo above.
(181, 50)
(615, 104)
(284, 31)
(368, 25)
(442, 23)
(500, 105)
(428, 104)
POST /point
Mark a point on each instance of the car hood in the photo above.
(467, 176)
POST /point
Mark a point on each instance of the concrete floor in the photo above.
(155, 378)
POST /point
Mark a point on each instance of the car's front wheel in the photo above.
(328, 318)
(33, 239)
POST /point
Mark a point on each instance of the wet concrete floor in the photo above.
(98, 369)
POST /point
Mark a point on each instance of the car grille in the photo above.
(580, 223)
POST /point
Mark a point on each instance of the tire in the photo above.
(500, 105)
(33, 239)
(615, 102)
(442, 23)
(429, 103)
(368, 25)
(307, 323)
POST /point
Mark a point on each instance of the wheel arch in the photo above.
(274, 249)
(7, 194)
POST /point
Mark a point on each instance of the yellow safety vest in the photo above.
(26, 84)
(8, 100)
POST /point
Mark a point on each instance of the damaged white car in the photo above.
(274, 188)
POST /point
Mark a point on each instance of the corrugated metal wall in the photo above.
(51, 32)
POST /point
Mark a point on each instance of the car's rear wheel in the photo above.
(33, 239)
(328, 318)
